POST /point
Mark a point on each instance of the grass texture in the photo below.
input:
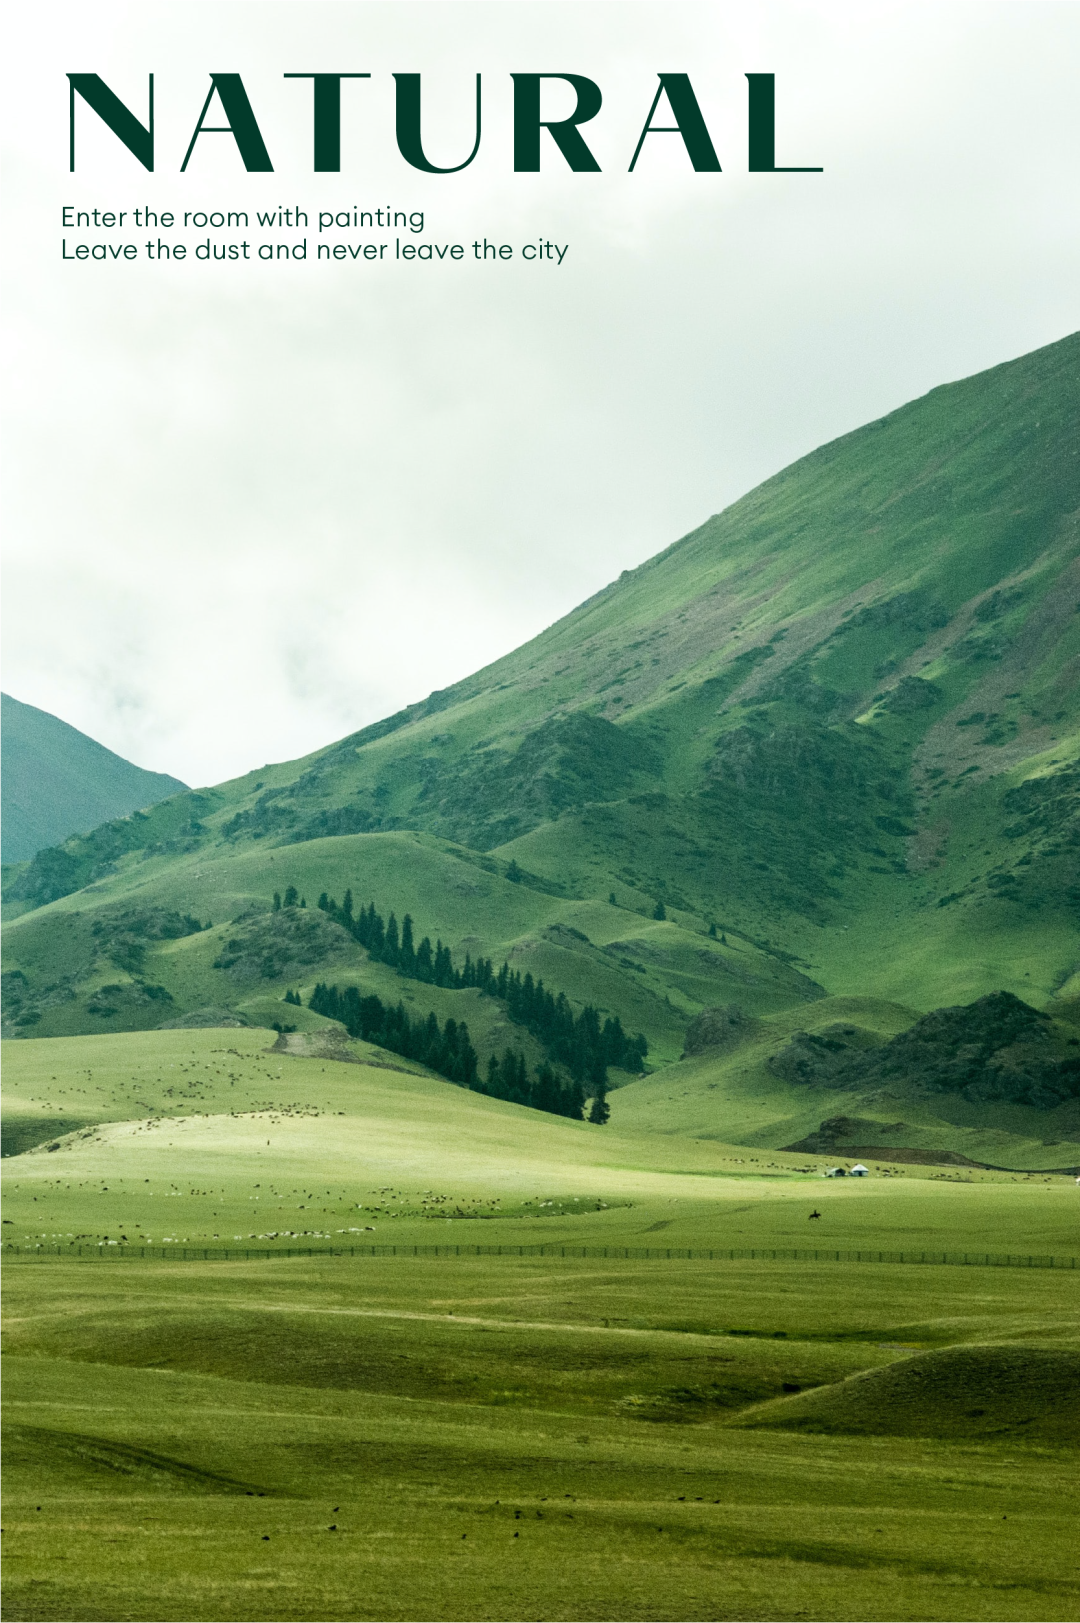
(485, 1437)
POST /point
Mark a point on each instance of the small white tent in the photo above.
(859, 1171)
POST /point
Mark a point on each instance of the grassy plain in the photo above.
(211, 1137)
(499, 1436)
(504, 1437)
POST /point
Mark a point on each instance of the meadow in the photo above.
(323, 1436)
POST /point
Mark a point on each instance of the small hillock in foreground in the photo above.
(1004, 1393)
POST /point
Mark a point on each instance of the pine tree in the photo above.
(601, 1110)
(277, 902)
(513, 873)
(712, 931)
(659, 911)
(407, 952)
(291, 896)
(612, 900)
(547, 1093)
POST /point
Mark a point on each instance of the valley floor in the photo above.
(482, 1437)
(510, 1438)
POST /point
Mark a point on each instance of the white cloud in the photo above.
(256, 506)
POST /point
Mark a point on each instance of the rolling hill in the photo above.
(999, 1392)
(59, 782)
(822, 748)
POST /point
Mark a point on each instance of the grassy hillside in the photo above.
(769, 798)
(830, 737)
(58, 782)
(749, 1090)
(999, 1392)
(143, 950)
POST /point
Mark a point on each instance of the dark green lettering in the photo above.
(138, 138)
(327, 117)
(408, 127)
(762, 120)
(564, 131)
(241, 126)
(688, 123)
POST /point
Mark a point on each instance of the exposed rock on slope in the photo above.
(715, 1031)
(997, 1048)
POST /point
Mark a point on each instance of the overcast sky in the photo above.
(253, 506)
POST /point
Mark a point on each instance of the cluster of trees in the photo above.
(448, 1050)
(509, 1079)
(389, 944)
(579, 1042)
(442, 1048)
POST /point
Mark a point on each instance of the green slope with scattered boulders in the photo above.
(991, 1084)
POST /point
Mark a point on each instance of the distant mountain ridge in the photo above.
(57, 781)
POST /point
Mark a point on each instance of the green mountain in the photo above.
(58, 782)
(822, 748)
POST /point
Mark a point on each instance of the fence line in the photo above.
(114, 1252)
